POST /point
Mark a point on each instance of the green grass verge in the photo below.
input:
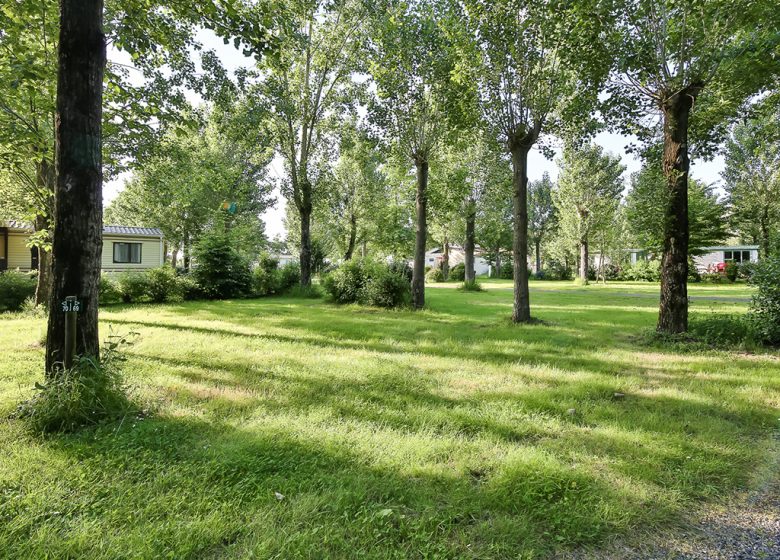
(446, 433)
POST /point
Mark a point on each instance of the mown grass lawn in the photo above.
(445, 433)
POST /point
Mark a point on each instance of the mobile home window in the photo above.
(127, 253)
(736, 256)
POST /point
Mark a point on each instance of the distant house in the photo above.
(124, 248)
(716, 255)
(284, 258)
(711, 257)
(435, 256)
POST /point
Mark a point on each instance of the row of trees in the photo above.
(434, 81)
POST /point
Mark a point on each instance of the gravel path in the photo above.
(746, 529)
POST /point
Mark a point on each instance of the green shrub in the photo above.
(345, 283)
(643, 271)
(471, 286)
(133, 286)
(266, 277)
(732, 271)
(162, 284)
(434, 275)
(221, 271)
(188, 288)
(368, 283)
(765, 308)
(89, 393)
(108, 292)
(713, 278)
(555, 270)
(693, 273)
(386, 288)
(507, 271)
(15, 288)
(401, 268)
(458, 272)
(289, 277)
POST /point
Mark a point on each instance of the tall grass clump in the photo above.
(91, 392)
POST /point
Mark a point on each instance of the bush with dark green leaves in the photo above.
(133, 286)
(732, 271)
(434, 275)
(289, 277)
(386, 288)
(108, 292)
(642, 271)
(368, 283)
(265, 277)
(89, 393)
(346, 282)
(189, 288)
(555, 270)
(765, 308)
(162, 284)
(458, 272)
(507, 271)
(401, 268)
(15, 288)
(221, 271)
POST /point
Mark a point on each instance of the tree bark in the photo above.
(45, 178)
(421, 233)
(352, 237)
(305, 256)
(537, 247)
(519, 149)
(445, 260)
(673, 308)
(584, 260)
(174, 256)
(305, 209)
(765, 241)
(498, 260)
(77, 240)
(468, 248)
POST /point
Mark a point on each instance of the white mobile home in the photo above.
(124, 248)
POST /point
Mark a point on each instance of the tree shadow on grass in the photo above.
(189, 488)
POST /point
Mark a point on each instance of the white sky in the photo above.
(232, 59)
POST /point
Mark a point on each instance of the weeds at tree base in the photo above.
(89, 393)
(471, 286)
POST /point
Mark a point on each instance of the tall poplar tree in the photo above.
(693, 63)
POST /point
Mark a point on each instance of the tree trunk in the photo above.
(445, 260)
(764, 243)
(421, 234)
(186, 252)
(174, 256)
(537, 247)
(45, 179)
(522, 302)
(77, 240)
(352, 237)
(584, 260)
(673, 308)
(305, 256)
(468, 249)
(498, 260)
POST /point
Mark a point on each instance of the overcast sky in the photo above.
(708, 171)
